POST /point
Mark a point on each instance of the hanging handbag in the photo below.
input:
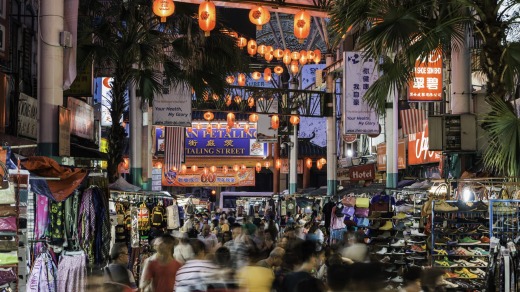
(7, 193)
(6, 210)
(349, 200)
(8, 258)
(8, 223)
(361, 212)
(380, 203)
(7, 276)
(8, 243)
(362, 202)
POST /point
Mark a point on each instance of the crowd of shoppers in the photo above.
(216, 252)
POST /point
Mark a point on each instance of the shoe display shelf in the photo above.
(504, 219)
(459, 241)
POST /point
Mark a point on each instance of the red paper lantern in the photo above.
(302, 25)
(259, 16)
(207, 16)
(163, 8)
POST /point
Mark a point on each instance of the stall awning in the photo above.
(86, 152)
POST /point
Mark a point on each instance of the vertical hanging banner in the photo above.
(427, 82)
(173, 108)
(359, 75)
(64, 131)
(27, 116)
(173, 154)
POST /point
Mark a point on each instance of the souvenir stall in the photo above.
(63, 224)
(137, 217)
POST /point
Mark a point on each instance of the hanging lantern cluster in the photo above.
(207, 17)
(163, 8)
(275, 122)
(259, 16)
(287, 56)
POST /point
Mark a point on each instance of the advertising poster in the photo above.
(82, 118)
(27, 116)
(200, 179)
(427, 82)
(418, 149)
(359, 75)
(64, 131)
(173, 108)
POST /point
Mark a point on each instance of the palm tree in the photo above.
(127, 42)
(400, 32)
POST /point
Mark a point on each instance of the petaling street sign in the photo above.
(237, 142)
(200, 178)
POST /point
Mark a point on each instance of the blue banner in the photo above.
(220, 143)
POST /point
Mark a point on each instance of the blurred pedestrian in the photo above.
(160, 269)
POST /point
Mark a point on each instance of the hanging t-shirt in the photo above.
(291, 206)
(143, 221)
(284, 208)
(172, 217)
(158, 216)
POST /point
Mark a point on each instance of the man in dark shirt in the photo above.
(308, 263)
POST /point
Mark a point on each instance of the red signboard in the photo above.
(362, 172)
(401, 156)
(418, 151)
(427, 82)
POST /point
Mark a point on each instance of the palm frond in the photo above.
(503, 127)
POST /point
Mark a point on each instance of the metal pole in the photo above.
(136, 123)
(391, 133)
(331, 134)
(293, 158)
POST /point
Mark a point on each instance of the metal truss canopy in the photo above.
(316, 8)
(288, 101)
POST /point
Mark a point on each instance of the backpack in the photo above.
(158, 216)
(190, 209)
(339, 211)
(143, 218)
(120, 212)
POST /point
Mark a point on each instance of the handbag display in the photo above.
(7, 276)
(7, 210)
(362, 202)
(361, 212)
(7, 193)
(8, 223)
(8, 243)
(349, 200)
(380, 203)
(8, 258)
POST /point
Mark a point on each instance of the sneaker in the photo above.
(449, 284)
(387, 226)
(463, 252)
(445, 263)
(478, 262)
(397, 279)
(385, 259)
(398, 243)
(465, 274)
(399, 262)
(463, 263)
(382, 251)
(484, 239)
(468, 241)
(483, 229)
(466, 206)
(416, 232)
(479, 251)
(401, 216)
(375, 225)
(450, 275)
(442, 206)
(481, 206)
(417, 248)
(446, 241)
(440, 251)
(478, 272)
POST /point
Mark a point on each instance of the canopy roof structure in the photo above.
(317, 8)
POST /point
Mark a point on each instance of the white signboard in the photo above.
(359, 76)
(173, 108)
(28, 116)
(82, 118)
(156, 179)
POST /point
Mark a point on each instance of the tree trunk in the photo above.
(116, 133)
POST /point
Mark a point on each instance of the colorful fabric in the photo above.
(72, 273)
(57, 223)
(43, 275)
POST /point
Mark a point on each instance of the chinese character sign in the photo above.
(237, 142)
(427, 82)
(199, 178)
(359, 76)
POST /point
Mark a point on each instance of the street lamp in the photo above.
(288, 146)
